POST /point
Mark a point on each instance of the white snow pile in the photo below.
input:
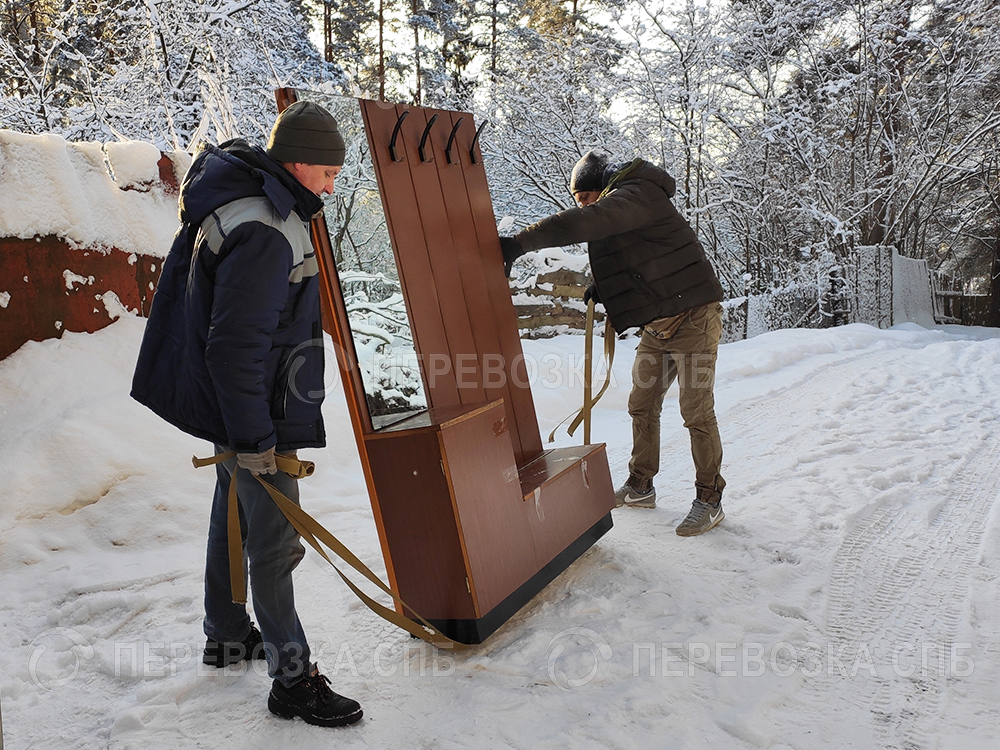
(849, 599)
(531, 265)
(93, 196)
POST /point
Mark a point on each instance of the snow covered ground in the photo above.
(849, 599)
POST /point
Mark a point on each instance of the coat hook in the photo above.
(423, 139)
(451, 141)
(472, 148)
(395, 132)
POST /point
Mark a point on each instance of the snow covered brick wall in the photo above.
(84, 228)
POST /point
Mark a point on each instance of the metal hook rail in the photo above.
(423, 139)
(451, 141)
(395, 133)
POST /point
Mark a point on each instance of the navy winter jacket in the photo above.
(233, 349)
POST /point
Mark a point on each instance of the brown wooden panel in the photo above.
(495, 370)
(448, 501)
(412, 261)
(498, 290)
(454, 299)
(483, 475)
(566, 491)
(418, 521)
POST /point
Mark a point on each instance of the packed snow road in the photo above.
(848, 599)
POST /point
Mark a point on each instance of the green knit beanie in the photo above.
(306, 133)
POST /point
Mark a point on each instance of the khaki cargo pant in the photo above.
(682, 349)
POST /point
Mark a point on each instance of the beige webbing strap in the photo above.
(313, 532)
(237, 580)
(588, 373)
(583, 413)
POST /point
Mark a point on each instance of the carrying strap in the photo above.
(314, 533)
(583, 413)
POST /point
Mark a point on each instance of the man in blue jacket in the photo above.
(233, 353)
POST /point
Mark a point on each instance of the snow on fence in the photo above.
(84, 228)
(547, 290)
(913, 297)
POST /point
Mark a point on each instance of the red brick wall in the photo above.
(41, 305)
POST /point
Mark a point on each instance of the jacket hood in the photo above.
(235, 169)
(640, 169)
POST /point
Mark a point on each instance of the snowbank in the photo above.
(93, 196)
(862, 527)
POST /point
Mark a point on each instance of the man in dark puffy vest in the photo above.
(233, 353)
(649, 270)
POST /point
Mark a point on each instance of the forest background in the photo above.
(798, 131)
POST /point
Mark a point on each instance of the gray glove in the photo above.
(258, 463)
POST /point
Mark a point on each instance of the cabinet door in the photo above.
(568, 490)
(421, 537)
(492, 523)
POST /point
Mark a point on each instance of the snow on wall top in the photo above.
(51, 187)
(133, 162)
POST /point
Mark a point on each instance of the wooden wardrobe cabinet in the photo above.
(470, 537)
(474, 516)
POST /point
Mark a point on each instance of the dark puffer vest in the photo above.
(233, 348)
(645, 258)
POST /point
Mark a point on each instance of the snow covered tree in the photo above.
(673, 100)
(885, 121)
(169, 71)
(547, 108)
(800, 130)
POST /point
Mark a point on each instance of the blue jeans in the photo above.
(272, 546)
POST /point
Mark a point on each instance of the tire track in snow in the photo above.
(754, 415)
(900, 578)
(899, 585)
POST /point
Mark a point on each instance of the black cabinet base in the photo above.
(477, 631)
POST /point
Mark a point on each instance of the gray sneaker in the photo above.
(702, 517)
(626, 495)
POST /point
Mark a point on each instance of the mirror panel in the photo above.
(369, 281)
